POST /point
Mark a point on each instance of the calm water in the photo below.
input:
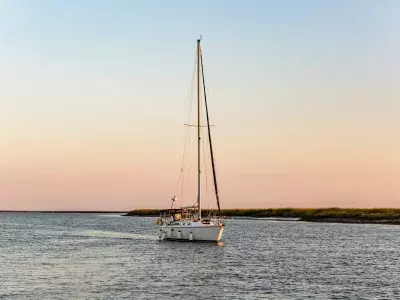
(82, 256)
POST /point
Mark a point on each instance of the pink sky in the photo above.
(90, 170)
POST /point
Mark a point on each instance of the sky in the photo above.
(304, 96)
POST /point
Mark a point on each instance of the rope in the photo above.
(209, 140)
(189, 164)
(205, 163)
(181, 177)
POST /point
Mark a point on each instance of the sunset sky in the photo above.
(304, 95)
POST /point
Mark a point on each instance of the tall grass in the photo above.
(306, 214)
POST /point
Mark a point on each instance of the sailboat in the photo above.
(187, 223)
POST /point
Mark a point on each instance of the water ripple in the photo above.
(88, 256)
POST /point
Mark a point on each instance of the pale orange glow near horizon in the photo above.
(115, 177)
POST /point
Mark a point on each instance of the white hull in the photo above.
(195, 232)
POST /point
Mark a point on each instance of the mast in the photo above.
(198, 129)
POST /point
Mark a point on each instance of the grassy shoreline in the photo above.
(327, 215)
(65, 211)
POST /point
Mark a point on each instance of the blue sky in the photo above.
(296, 87)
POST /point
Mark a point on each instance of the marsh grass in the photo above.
(305, 214)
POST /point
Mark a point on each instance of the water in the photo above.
(94, 256)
